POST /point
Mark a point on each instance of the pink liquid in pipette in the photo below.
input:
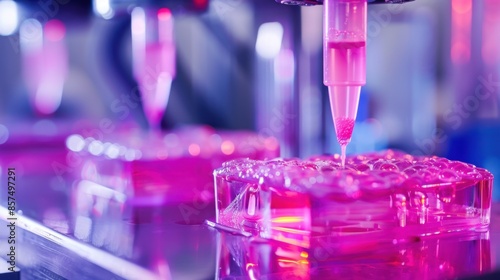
(345, 70)
(344, 128)
(345, 63)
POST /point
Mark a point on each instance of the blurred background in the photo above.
(433, 74)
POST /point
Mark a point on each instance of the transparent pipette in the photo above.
(344, 62)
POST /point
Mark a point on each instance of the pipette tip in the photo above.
(343, 154)
(344, 103)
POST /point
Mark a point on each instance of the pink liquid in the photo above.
(345, 63)
(344, 74)
(343, 128)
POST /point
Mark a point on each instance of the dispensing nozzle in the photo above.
(344, 54)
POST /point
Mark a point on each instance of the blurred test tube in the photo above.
(45, 63)
(153, 59)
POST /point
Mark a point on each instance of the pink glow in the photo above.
(461, 21)
(491, 28)
(194, 149)
(160, 166)
(284, 66)
(164, 14)
(45, 64)
(54, 30)
(54, 69)
(165, 26)
(200, 3)
(227, 147)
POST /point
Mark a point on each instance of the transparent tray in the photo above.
(144, 170)
(385, 195)
(454, 256)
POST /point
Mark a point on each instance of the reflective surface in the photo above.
(170, 250)
(104, 245)
(444, 258)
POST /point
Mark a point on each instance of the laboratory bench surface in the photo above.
(60, 235)
(69, 228)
